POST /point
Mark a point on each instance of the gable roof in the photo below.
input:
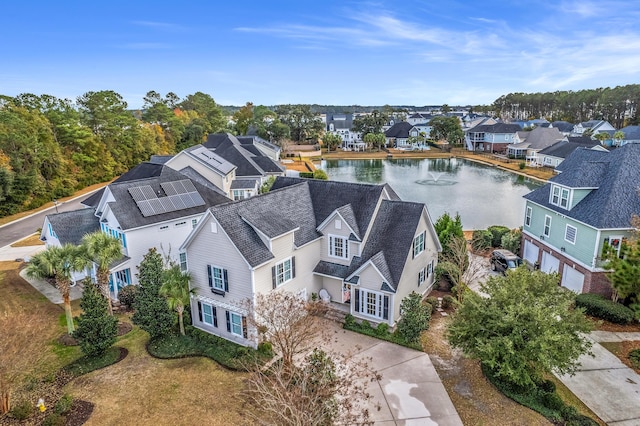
(247, 158)
(128, 213)
(210, 159)
(264, 212)
(616, 175)
(631, 132)
(496, 128)
(390, 240)
(71, 226)
(328, 196)
(399, 130)
(565, 147)
(541, 137)
(563, 126)
(141, 171)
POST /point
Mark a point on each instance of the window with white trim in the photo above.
(422, 276)
(418, 244)
(183, 262)
(236, 323)
(560, 196)
(240, 194)
(527, 217)
(283, 272)
(194, 222)
(547, 226)
(207, 314)
(218, 279)
(338, 247)
(570, 234)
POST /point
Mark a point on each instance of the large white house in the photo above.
(152, 205)
(357, 246)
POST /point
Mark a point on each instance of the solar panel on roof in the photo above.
(167, 204)
(188, 185)
(148, 192)
(145, 208)
(136, 194)
(157, 206)
(197, 199)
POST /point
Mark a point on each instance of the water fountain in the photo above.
(435, 180)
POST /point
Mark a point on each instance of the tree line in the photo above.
(618, 105)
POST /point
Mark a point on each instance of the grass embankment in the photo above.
(151, 391)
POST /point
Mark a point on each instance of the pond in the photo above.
(482, 195)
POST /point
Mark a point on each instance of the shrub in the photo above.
(634, 357)
(349, 320)
(382, 329)
(511, 241)
(522, 165)
(481, 240)
(64, 404)
(306, 175)
(433, 301)
(415, 317)
(365, 324)
(448, 301)
(22, 410)
(127, 295)
(265, 348)
(53, 419)
(97, 330)
(599, 307)
(497, 231)
(320, 174)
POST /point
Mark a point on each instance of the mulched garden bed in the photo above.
(79, 413)
(67, 340)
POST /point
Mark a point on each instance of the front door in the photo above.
(346, 292)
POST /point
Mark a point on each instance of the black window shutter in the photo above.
(413, 249)
(293, 267)
(244, 326)
(419, 273)
(210, 272)
(200, 311)
(385, 309)
(228, 321)
(226, 280)
(273, 276)
(215, 316)
(357, 297)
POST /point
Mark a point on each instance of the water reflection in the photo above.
(483, 195)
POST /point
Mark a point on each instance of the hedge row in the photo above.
(599, 307)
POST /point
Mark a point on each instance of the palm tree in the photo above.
(59, 262)
(102, 249)
(176, 289)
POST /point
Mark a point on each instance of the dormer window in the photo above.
(560, 197)
(338, 247)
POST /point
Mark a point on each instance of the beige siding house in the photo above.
(358, 245)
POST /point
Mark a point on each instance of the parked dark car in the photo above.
(501, 260)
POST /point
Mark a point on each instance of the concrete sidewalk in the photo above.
(49, 291)
(607, 386)
(409, 392)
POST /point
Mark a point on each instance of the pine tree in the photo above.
(97, 329)
(152, 313)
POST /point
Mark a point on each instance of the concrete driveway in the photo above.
(607, 386)
(409, 392)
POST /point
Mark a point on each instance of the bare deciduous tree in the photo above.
(22, 348)
(461, 268)
(317, 387)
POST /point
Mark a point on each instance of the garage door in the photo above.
(572, 279)
(530, 252)
(549, 263)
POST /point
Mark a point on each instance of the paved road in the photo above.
(22, 228)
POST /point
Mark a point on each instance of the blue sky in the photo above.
(325, 52)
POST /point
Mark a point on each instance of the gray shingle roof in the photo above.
(391, 239)
(563, 126)
(347, 213)
(211, 159)
(616, 199)
(399, 130)
(192, 174)
(331, 269)
(71, 226)
(128, 214)
(631, 132)
(327, 196)
(563, 148)
(265, 212)
(244, 184)
(247, 158)
(541, 137)
(496, 128)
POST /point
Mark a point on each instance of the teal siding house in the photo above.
(569, 220)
